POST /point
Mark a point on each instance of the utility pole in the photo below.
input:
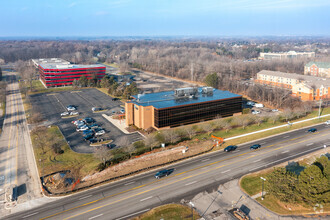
(262, 191)
(192, 210)
(320, 108)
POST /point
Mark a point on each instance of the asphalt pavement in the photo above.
(134, 195)
(51, 105)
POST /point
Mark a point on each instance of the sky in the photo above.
(164, 18)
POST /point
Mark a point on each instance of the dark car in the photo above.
(89, 120)
(88, 136)
(92, 140)
(88, 132)
(93, 126)
(312, 130)
(163, 173)
(230, 148)
(255, 146)
(115, 99)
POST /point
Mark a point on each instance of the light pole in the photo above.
(320, 108)
(262, 191)
(192, 210)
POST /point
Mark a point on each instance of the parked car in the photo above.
(95, 109)
(80, 124)
(327, 122)
(75, 122)
(259, 105)
(255, 146)
(94, 126)
(250, 103)
(92, 140)
(163, 173)
(71, 108)
(88, 136)
(312, 130)
(274, 110)
(65, 113)
(115, 99)
(255, 112)
(89, 120)
(110, 146)
(74, 113)
(122, 111)
(230, 148)
(83, 128)
(88, 131)
(100, 132)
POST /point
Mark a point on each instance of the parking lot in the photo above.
(51, 105)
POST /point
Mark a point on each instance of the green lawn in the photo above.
(49, 162)
(38, 87)
(252, 184)
(169, 212)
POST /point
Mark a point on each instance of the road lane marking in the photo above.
(205, 159)
(285, 152)
(286, 136)
(129, 183)
(190, 183)
(96, 216)
(207, 165)
(146, 198)
(309, 144)
(26, 216)
(284, 158)
(225, 171)
(257, 160)
(263, 143)
(133, 214)
(85, 197)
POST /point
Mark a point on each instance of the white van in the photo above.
(259, 105)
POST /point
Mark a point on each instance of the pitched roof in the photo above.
(308, 80)
(325, 65)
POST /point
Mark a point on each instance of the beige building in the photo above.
(306, 87)
(285, 55)
(321, 69)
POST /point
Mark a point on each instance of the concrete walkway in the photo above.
(120, 124)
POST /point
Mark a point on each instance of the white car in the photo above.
(122, 111)
(83, 128)
(65, 113)
(327, 122)
(77, 122)
(74, 113)
(250, 103)
(255, 112)
(100, 132)
(71, 108)
(274, 110)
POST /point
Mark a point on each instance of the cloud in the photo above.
(72, 4)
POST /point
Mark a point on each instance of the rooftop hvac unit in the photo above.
(207, 90)
(190, 91)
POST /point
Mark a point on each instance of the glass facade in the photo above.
(187, 114)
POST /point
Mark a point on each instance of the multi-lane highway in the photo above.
(17, 164)
(131, 196)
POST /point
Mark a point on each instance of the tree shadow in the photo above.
(294, 167)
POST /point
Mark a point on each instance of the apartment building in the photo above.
(306, 87)
(285, 55)
(321, 69)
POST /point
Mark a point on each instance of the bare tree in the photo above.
(207, 127)
(190, 131)
(171, 136)
(103, 154)
(259, 119)
(151, 141)
(287, 114)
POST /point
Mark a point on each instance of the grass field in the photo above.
(49, 162)
(169, 212)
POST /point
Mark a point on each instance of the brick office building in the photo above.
(321, 69)
(59, 72)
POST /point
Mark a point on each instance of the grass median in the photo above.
(169, 211)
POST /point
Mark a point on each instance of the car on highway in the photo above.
(71, 108)
(312, 130)
(163, 173)
(230, 148)
(74, 113)
(65, 113)
(100, 132)
(255, 146)
(83, 128)
(274, 110)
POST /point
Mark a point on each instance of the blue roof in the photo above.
(167, 99)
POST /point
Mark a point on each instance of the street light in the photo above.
(192, 210)
(262, 191)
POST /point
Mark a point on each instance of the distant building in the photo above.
(59, 72)
(285, 55)
(308, 88)
(321, 69)
(180, 107)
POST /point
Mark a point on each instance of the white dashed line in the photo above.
(30, 215)
(309, 144)
(95, 216)
(286, 136)
(225, 171)
(285, 152)
(257, 160)
(129, 183)
(124, 217)
(263, 143)
(146, 198)
(85, 197)
(191, 183)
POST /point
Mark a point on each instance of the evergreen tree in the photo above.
(105, 82)
(83, 81)
(312, 185)
(212, 80)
